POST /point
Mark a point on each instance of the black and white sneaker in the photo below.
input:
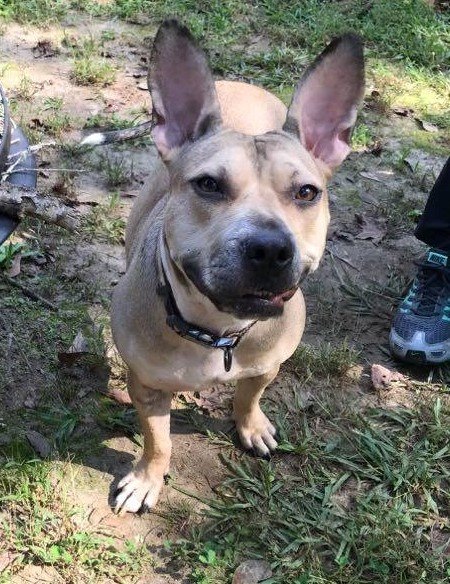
(420, 331)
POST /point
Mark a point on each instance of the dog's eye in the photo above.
(306, 193)
(207, 185)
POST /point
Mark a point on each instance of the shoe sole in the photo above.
(418, 351)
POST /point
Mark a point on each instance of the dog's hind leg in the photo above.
(139, 490)
(255, 430)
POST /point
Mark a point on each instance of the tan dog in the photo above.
(229, 222)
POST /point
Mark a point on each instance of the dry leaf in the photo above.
(405, 112)
(427, 126)
(120, 396)
(252, 572)
(382, 377)
(6, 559)
(44, 48)
(371, 176)
(40, 444)
(77, 350)
(14, 270)
(371, 229)
(211, 399)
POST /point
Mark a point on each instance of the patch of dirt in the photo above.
(350, 296)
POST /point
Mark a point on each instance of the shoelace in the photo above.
(431, 282)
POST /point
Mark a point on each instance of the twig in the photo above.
(29, 293)
(43, 170)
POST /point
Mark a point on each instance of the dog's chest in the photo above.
(193, 368)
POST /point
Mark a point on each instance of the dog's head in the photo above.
(247, 215)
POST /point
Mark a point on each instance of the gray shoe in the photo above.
(420, 331)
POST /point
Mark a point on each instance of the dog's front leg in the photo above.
(255, 430)
(140, 488)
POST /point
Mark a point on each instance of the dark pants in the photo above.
(434, 225)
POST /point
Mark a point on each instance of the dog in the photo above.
(228, 224)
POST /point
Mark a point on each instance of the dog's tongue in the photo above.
(279, 299)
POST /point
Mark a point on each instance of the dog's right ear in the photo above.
(185, 103)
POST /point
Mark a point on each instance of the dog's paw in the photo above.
(257, 433)
(137, 491)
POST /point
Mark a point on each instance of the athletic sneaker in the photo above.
(420, 332)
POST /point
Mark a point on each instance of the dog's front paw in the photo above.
(257, 433)
(137, 491)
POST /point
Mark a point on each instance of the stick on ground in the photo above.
(19, 202)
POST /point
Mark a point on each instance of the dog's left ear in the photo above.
(184, 98)
(325, 102)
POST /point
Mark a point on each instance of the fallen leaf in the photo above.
(44, 48)
(74, 353)
(371, 229)
(211, 399)
(427, 126)
(252, 572)
(405, 112)
(6, 559)
(36, 123)
(39, 443)
(120, 396)
(371, 176)
(14, 270)
(377, 148)
(414, 160)
(31, 400)
(382, 377)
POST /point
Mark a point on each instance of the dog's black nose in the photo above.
(270, 250)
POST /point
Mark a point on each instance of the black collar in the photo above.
(194, 333)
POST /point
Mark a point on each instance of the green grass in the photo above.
(39, 521)
(112, 121)
(360, 498)
(89, 66)
(323, 360)
(38, 12)
(103, 222)
(116, 170)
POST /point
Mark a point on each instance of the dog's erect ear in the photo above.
(184, 98)
(325, 102)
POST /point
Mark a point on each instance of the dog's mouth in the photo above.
(270, 298)
(259, 304)
(245, 301)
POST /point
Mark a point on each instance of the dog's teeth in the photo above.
(94, 139)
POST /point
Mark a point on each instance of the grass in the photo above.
(112, 121)
(323, 360)
(104, 222)
(38, 12)
(89, 66)
(362, 137)
(366, 502)
(116, 170)
(55, 120)
(41, 524)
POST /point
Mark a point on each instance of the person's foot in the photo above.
(420, 331)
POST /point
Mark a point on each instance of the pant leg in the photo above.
(434, 225)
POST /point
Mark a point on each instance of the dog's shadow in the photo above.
(183, 423)
(118, 441)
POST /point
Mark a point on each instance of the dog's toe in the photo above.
(136, 492)
(257, 434)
